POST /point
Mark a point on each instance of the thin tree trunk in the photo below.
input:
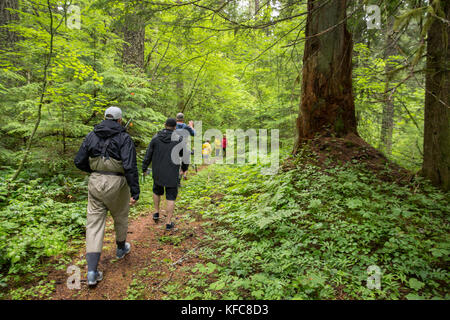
(387, 121)
(63, 130)
(155, 70)
(327, 105)
(436, 149)
(42, 95)
(180, 92)
(191, 94)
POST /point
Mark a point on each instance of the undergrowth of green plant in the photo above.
(311, 233)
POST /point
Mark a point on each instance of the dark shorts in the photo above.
(171, 192)
(184, 167)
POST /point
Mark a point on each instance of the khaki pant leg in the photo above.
(118, 204)
(95, 226)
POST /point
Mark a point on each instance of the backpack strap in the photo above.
(104, 147)
(106, 143)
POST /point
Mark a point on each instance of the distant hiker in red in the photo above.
(224, 144)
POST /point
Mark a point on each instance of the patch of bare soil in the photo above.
(332, 151)
(156, 259)
(152, 249)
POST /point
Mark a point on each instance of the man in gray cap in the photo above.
(108, 153)
(181, 125)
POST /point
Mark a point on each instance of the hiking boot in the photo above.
(120, 253)
(156, 216)
(170, 227)
(93, 277)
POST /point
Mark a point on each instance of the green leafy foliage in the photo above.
(408, 103)
(310, 233)
(302, 234)
(38, 221)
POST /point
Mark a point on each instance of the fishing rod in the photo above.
(129, 121)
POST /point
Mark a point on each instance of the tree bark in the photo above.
(436, 155)
(327, 105)
(134, 37)
(387, 120)
(7, 37)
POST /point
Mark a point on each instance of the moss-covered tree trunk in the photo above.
(327, 105)
(436, 150)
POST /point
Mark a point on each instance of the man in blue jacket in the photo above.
(190, 129)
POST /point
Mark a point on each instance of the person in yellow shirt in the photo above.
(217, 146)
(206, 151)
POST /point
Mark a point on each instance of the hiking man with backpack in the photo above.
(109, 155)
(165, 172)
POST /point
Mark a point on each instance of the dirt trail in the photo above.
(155, 259)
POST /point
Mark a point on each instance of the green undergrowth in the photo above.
(38, 220)
(311, 233)
(42, 223)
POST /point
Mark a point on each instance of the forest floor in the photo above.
(309, 232)
(155, 259)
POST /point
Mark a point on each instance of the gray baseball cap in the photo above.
(180, 116)
(113, 113)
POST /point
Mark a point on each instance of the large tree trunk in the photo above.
(387, 120)
(134, 37)
(436, 149)
(327, 105)
(7, 37)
